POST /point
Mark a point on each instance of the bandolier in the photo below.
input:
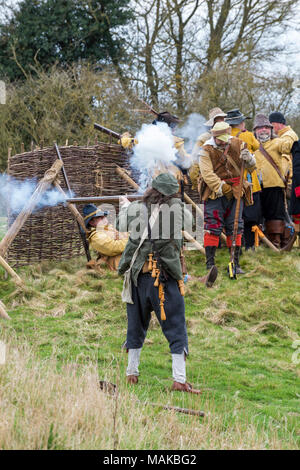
(220, 164)
(152, 260)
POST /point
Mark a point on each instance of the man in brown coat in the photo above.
(220, 162)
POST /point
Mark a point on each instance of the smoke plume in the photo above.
(190, 131)
(14, 194)
(155, 149)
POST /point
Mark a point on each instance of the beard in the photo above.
(263, 137)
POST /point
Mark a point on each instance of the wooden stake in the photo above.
(3, 313)
(42, 186)
(10, 271)
(72, 208)
(121, 172)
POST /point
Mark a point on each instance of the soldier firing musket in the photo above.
(153, 276)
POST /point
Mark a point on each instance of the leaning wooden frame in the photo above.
(52, 233)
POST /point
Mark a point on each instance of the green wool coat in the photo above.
(167, 234)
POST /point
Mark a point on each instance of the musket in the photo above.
(82, 234)
(103, 199)
(107, 131)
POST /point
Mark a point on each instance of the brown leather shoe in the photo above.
(210, 278)
(178, 387)
(132, 379)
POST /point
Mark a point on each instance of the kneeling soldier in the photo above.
(152, 260)
(103, 237)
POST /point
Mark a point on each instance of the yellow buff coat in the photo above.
(252, 145)
(109, 243)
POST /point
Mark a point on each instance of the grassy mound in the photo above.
(67, 330)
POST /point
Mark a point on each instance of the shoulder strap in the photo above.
(145, 234)
(271, 161)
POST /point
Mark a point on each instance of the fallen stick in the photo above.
(186, 411)
(264, 239)
(111, 389)
(197, 245)
(10, 271)
(42, 186)
(3, 313)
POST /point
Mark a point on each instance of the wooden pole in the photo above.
(263, 238)
(189, 238)
(10, 271)
(42, 186)
(72, 208)
(3, 313)
(121, 172)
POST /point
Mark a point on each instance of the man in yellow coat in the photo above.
(288, 135)
(272, 160)
(251, 213)
(103, 237)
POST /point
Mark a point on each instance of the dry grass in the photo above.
(44, 407)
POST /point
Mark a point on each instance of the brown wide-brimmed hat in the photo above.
(261, 120)
(214, 113)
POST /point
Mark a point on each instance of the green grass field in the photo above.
(242, 337)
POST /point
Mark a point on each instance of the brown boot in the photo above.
(274, 231)
(287, 245)
(210, 278)
(132, 379)
(178, 387)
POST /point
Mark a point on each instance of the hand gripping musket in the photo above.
(81, 232)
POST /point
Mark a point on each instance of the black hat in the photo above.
(90, 211)
(277, 117)
(235, 117)
(168, 118)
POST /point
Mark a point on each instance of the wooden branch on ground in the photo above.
(48, 178)
(197, 245)
(3, 313)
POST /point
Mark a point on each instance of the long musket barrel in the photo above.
(107, 131)
(103, 199)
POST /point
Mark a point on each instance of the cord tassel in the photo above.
(154, 268)
(181, 287)
(161, 295)
(150, 261)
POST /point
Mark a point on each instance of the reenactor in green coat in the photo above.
(152, 260)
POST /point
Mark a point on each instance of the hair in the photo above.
(152, 196)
